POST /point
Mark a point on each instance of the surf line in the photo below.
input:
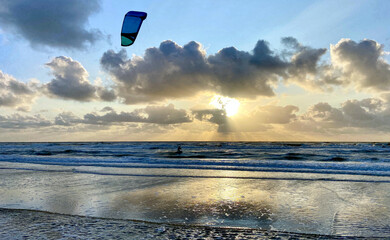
(204, 177)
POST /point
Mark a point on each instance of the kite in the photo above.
(130, 28)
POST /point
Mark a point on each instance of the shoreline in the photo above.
(199, 141)
(37, 224)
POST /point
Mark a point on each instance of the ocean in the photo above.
(321, 188)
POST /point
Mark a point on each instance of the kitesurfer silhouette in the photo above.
(179, 149)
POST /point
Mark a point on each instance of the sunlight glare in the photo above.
(230, 105)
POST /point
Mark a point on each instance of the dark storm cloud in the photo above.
(14, 93)
(71, 82)
(59, 24)
(362, 64)
(173, 71)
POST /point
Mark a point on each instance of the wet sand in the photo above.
(27, 224)
(169, 203)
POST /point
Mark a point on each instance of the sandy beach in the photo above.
(65, 202)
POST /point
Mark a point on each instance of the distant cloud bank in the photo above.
(372, 114)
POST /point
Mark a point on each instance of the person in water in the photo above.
(179, 149)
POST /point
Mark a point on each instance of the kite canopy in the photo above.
(131, 25)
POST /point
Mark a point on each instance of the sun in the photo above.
(230, 105)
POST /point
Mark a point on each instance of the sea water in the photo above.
(320, 188)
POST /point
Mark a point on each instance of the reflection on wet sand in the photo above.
(349, 208)
(211, 202)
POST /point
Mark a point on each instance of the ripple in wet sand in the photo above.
(28, 224)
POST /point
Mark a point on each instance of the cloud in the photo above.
(173, 71)
(111, 118)
(258, 120)
(370, 113)
(216, 116)
(362, 64)
(107, 109)
(242, 74)
(71, 82)
(275, 114)
(105, 94)
(304, 59)
(14, 93)
(351, 117)
(357, 64)
(58, 24)
(170, 71)
(305, 67)
(67, 119)
(158, 115)
(163, 115)
(17, 121)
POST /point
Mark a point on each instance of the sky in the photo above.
(198, 71)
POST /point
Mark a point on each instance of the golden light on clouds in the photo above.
(230, 105)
